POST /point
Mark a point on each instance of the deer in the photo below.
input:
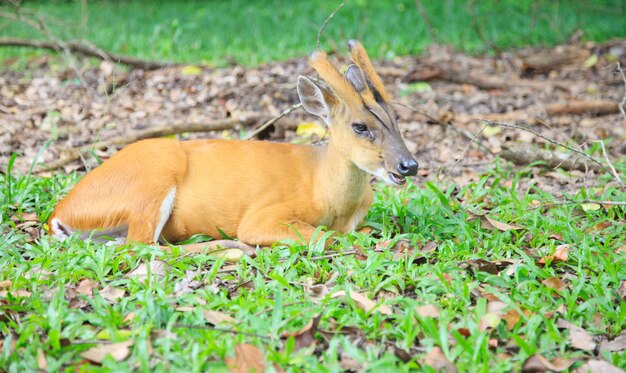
(261, 192)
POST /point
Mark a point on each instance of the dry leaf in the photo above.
(579, 338)
(187, 284)
(118, 351)
(218, 318)
(157, 268)
(427, 310)
(616, 345)
(305, 337)
(438, 361)
(86, 286)
(112, 294)
(590, 206)
(363, 302)
(561, 254)
(500, 225)
(18, 293)
(248, 358)
(538, 364)
(42, 364)
(598, 366)
(6, 284)
(554, 283)
(622, 289)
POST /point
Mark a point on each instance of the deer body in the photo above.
(261, 192)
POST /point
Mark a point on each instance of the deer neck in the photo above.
(340, 181)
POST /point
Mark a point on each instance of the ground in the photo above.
(479, 264)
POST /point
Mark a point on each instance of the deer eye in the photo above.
(360, 129)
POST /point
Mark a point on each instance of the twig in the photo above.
(464, 153)
(85, 49)
(554, 142)
(426, 18)
(608, 162)
(319, 33)
(472, 138)
(221, 330)
(156, 131)
(622, 105)
(273, 120)
(572, 202)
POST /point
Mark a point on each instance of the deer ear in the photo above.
(356, 78)
(313, 99)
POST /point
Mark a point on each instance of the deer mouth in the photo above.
(397, 179)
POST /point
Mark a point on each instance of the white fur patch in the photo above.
(166, 210)
(63, 231)
(60, 230)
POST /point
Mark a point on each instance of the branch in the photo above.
(319, 33)
(526, 156)
(622, 105)
(554, 142)
(273, 120)
(155, 131)
(82, 48)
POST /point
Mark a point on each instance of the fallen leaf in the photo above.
(112, 294)
(590, 206)
(598, 366)
(6, 284)
(427, 310)
(616, 345)
(489, 321)
(157, 268)
(539, 364)
(579, 338)
(500, 225)
(363, 302)
(348, 363)
(554, 283)
(561, 254)
(622, 289)
(305, 337)
(248, 358)
(86, 286)
(187, 284)
(118, 351)
(119, 334)
(218, 318)
(190, 70)
(129, 317)
(18, 293)
(309, 129)
(42, 364)
(599, 227)
(438, 361)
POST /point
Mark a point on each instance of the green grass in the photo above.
(255, 31)
(266, 296)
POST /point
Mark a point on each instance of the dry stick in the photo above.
(608, 161)
(158, 131)
(571, 202)
(221, 330)
(86, 50)
(554, 142)
(472, 138)
(463, 154)
(273, 120)
(426, 18)
(622, 105)
(319, 33)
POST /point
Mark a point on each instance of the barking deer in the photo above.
(260, 192)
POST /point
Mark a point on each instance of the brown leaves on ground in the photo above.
(305, 337)
(363, 302)
(578, 338)
(490, 223)
(157, 269)
(218, 318)
(117, 351)
(438, 361)
(539, 364)
(561, 254)
(248, 358)
(616, 345)
(598, 366)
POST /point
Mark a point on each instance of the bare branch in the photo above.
(608, 162)
(273, 120)
(86, 49)
(554, 142)
(319, 33)
(622, 105)
(154, 131)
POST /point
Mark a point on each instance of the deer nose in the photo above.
(408, 167)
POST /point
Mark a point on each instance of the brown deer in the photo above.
(260, 192)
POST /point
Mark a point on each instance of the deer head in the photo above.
(362, 124)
